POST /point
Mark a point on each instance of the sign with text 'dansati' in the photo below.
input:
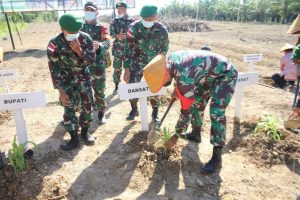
(138, 90)
(18, 101)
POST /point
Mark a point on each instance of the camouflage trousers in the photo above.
(220, 90)
(117, 65)
(98, 84)
(80, 94)
(136, 77)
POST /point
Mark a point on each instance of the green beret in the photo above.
(70, 22)
(296, 52)
(121, 4)
(148, 11)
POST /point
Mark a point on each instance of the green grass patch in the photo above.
(4, 29)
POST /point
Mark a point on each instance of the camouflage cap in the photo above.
(91, 5)
(121, 4)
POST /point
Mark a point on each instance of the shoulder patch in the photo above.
(51, 47)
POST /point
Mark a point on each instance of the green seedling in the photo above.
(270, 128)
(166, 137)
(16, 155)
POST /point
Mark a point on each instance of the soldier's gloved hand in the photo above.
(126, 76)
(64, 98)
(96, 45)
(185, 102)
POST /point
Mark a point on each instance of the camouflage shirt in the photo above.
(98, 32)
(144, 44)
(64, 64)
(120, 25)
(117, 26)
(194, 67)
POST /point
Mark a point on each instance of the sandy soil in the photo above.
(122, 165)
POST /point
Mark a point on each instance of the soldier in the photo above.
(198, 75)
(69, 56)
(118, 29)
(146, 38)
(98, 32)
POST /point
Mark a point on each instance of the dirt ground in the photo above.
(122, 165)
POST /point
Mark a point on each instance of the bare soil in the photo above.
(122, 165)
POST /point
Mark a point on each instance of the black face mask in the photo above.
(167, 83)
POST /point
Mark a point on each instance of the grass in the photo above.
(269, 126)
(16, 156)
(4, 29)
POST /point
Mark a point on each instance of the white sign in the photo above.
(138, 90)
(18, 101)
(10, 74)
(245, 79)
(250, 58)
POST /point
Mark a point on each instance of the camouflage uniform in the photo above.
(98, 32)
(70, 73)
(118, 25)
(141, 47)
(201, 75)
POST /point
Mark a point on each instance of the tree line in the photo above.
(278, 11)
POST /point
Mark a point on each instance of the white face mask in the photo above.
(89, 15)
(147, 24)
(121, 16)
(71, 37)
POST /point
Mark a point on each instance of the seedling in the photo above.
(270, 128)
(16, 155)
(166, 137)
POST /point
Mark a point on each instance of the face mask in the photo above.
(89, 15)
(71, 37)
(147, 24)
(121, 16)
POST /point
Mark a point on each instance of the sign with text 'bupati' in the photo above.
(17, 101)
(9, 74)
(138, 90)
(244, 79)
(250, 58)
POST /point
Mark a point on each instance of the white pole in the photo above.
(238, 102)
(20, 126)
(251, 67)
(144, 113)
(5, 86)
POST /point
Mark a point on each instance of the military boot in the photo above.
(133, 113)
(87, 138)
(155, 114)
(101, 117)
(215, 162)
(73, 143)
(194, 136)
(115, 92)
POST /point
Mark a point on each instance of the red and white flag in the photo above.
(51, 47)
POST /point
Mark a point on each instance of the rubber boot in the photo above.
(194, 136)
(115, 92)
(155, 114)
(87, 138)
(73, 143)
(133, 113)
(101, 117)
(215, 162)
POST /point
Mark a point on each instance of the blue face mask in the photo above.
(147, 24)
(89, 15)
(71, 37)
